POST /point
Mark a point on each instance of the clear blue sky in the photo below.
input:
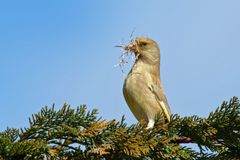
(62, 51)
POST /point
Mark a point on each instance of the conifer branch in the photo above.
(79, 134)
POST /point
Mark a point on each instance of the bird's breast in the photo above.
(133, 95)
(136, 94)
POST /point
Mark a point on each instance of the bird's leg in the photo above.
(150, 123)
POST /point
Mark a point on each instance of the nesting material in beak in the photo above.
(133, 47)
(127, 53)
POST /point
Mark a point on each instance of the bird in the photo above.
(142, 88)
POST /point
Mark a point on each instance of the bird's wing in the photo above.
(161, 99)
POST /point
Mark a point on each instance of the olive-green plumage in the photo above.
(143, 90)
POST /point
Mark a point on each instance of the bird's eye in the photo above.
(143, 44)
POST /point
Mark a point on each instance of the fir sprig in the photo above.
(79, 134)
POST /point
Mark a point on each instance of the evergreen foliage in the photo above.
(79, 134)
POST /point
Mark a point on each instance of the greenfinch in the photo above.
(142, 89)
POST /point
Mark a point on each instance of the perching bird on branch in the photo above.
(143, 90)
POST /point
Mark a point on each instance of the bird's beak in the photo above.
(133, 47)
(130, 48)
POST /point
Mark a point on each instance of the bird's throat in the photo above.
(141, 67)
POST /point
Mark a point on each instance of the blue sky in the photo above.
(62, 51)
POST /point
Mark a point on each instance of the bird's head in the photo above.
(145, 49)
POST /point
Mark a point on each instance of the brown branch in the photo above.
(182, 140)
